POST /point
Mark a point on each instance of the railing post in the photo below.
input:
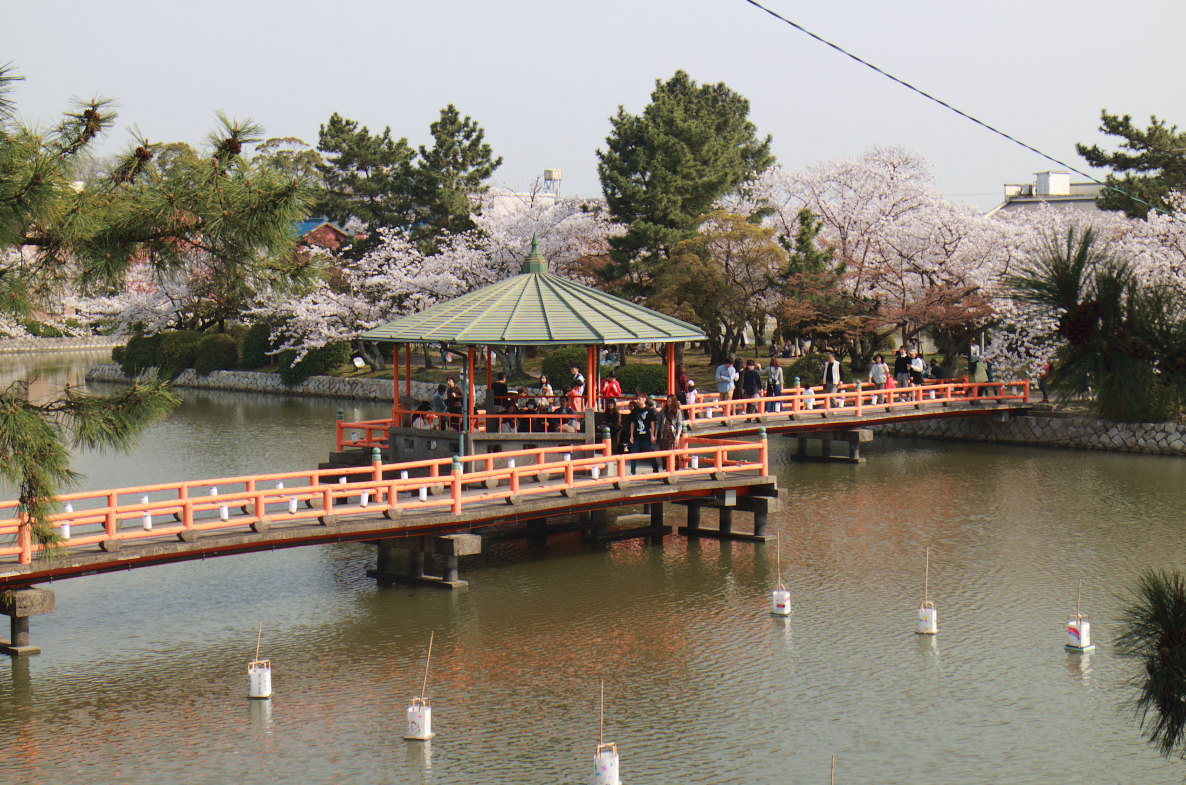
(376, 469)
(187, 509)
(764, 451)
(111, 524)
(569, 477)
(1025, 392)
(797, 401)
(24, 536)
(858, 399)
(718, 458)
(455, 488)
(607, 445)
(341, 431)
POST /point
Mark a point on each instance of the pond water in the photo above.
(143, 678)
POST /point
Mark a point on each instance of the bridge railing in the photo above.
(184, 510)
(855, 399)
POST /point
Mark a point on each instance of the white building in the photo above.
(1051, 188)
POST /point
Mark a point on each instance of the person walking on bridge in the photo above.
(727, 378)
(902, 369)
(877, 376)
(832, 377)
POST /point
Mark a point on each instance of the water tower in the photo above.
(552, 182)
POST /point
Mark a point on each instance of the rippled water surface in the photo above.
(143, 674)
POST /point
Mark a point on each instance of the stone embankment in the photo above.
(254, 381)
(84, 344)
(1052, 429)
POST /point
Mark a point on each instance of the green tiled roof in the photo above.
(537, 308)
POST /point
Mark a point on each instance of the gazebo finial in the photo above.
(535, 263)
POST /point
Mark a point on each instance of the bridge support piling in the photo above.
(762, 500)
(449, 546)
(19, 605)
(853, 436)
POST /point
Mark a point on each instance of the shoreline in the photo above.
(67, 344)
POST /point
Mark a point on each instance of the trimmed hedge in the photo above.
(140, 354)
(179, 350)
(558, 365)
(650, 379)
(216, 352)
(809, 369)
(117, 355)
(256, 345)
(315, 363)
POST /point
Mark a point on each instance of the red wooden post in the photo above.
(111, 524)
(590, 376)
(764, 451)
(395, 415)
(455, 487)
(568, 473)
(469, 380)
(24, 537)
(408, 369)
(671, 369)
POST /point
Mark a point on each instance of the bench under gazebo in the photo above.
(534, 308)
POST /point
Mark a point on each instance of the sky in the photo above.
(543, 78)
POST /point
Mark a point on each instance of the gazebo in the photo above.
(534, 308)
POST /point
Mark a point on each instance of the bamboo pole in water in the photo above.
(427, 660)
(258, 635)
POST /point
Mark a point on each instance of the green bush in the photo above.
(650, 379)
(316, 363)
(216, 352)
(179, 350)
(809, 369)
(141, 354)
(117, 355)
(256, 345)
(41, 330)
(558, 365)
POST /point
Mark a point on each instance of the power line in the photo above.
(963, 114)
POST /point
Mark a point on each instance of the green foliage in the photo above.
(216, 352)
(41, 330)
(292, 157)
(718, 278)
(117, 355)
(1123, 338)
(257, 343)
(1149, 165)
(316, 362)
(558, 365)
(179, 350)
(140, 354)
(363, 175)
(809, 368)
(663, 170)
(447, 176)
(1153, 634)
(651, 379)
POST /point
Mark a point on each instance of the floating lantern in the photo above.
(605, 759)
(419, 712)
(259, 673)
(780, 598)
(147, 517)
(1079, 628)
(928, 618)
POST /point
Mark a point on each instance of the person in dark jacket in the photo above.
(751, 388)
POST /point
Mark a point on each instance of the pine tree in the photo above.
(663, 170)
(1150, 164)
(447, 178)
(217, 211)
(363, 176)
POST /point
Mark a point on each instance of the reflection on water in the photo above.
(144, 674)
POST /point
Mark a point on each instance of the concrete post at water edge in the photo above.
(19, 605)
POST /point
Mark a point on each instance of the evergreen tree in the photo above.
(218, 211)
(447, 177)
(1149, 165)
(663, 170)
(363, 176)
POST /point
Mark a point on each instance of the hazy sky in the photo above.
(543, 77)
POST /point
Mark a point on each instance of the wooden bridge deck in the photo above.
(133, 527)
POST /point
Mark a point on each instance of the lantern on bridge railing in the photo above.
(146, 519)
(66, 524)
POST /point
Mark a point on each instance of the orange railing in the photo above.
(854, 399)
(107, 518)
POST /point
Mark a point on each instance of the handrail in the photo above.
(236, 502)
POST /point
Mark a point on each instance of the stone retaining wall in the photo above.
(86, 343)
(1052, 430)
(255, 381)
